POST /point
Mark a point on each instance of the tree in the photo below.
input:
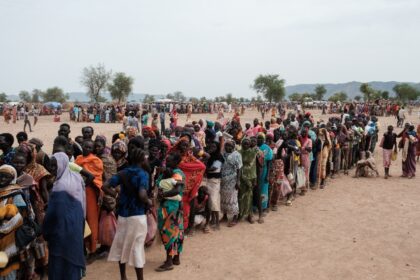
(357, 98)
(406, 92)
(3, 97)
(385, 94)
(148, 98)
(229, 98)
(55, 94)
(179, 96)
(25, 96)
(170, 96)
(36, 95)
(95, 80)
(320, 91)
(295, 97)
(367, 91)
(339, 96)
(270, 86)
(194, 100)
(121, 87)
(203, 99)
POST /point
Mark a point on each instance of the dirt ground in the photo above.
(366, 228)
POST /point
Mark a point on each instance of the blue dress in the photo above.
(268, 156)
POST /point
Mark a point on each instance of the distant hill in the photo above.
(351, 88)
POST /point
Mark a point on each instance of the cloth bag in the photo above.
(151, 227)
(394, 155)
(300, 178)
(107, 227)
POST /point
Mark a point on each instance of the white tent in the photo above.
(164, 100)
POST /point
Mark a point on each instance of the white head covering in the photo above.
(69, 181)
(5, 168)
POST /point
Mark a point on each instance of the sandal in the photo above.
(164, 268)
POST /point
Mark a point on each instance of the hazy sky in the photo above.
(207, 48)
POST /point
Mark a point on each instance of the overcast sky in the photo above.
(207, 48)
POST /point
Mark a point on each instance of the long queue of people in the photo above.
(94, 199)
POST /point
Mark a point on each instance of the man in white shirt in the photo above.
(401, 117)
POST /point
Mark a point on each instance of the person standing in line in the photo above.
(128, 244)
(401, 117)
(14, 113)
(35, 112)
(162, 117)
(388, 144)
(64, 222)
(26, 120)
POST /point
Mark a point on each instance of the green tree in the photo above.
(95, 79)
(55, 94)
(25, 96)
(320, 91)
(179, 96)
(406, 92)
(170, 96)
(121, 87)
(149, 98)
(367, 91)
(203, 99)
(270, 86)
(357, 98)
(36, 95)
(3, 97)
(295, 97)
(194, 100)
(229, 98)
(339, 96)
(385, 94)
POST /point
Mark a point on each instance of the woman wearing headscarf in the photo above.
(248, 180)
(305, 151)
(193, 170)
(409, 153)
(13, 208)
(267, 157)
(119, 153)
(109, 164)
(41, 177)
(170, 215)
(64, 222)
(107, 219)
(326, 146)
(213, 175)
(41, 157)
(231, 173)
(92, 164)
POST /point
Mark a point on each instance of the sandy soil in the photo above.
(354, 229)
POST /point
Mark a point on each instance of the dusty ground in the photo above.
(353, 229)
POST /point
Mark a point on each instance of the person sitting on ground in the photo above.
(366, 167)
(201, 210)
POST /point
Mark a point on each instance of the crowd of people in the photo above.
(94, 198)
